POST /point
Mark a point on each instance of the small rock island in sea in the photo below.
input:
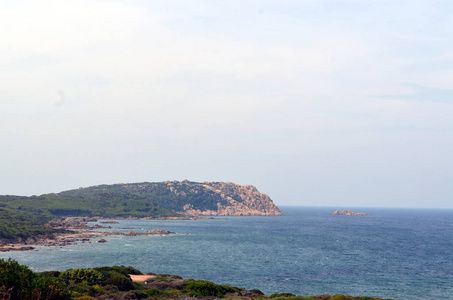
(347, 213)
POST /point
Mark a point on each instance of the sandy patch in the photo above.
(142, 278)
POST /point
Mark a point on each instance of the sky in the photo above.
(344, 103)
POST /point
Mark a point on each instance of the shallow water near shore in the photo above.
(395, 253)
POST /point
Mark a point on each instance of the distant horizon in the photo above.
(347, 207)
(339, 206)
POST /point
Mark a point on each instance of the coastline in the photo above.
(75, 229)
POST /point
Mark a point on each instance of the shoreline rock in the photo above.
(348, 213)
(74, 230)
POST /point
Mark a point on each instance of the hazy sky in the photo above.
(320, 103)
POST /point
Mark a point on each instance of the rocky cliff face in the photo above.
(238, 200)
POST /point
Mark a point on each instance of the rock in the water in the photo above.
(348, 213)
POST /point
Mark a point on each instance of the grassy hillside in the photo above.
(148, 199)
(23, 217)
(16, 224)
(171, 195)
(109, 204)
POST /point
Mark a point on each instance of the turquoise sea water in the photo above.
(395, 253)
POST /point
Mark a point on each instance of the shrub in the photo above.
(119, 269)
(49, 289)
(16, 280)
(122, 282)
(278, 295)
(90, 276)
(49, 274)
(207, 288)
(256, 292)
(19, 282)
(340, 297)
(154, 292)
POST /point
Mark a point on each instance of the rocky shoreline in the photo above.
(73, 230)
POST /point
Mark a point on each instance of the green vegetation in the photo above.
(16, 224)
(108, 205)
(170, 195)
(18, 282)
(205, 288)
(22, 217)
(147, 199)
(75, 276)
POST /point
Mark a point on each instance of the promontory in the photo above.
(22, 217)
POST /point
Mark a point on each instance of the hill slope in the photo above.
(22, 217)
(193, 198)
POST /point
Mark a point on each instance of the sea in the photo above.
(393, 253)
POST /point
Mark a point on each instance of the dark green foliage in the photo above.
(119, 269)
(172, 195)
(207, 288)
(105, 204)
(17, 224)
(122, 282)
(154, 292)
(54, 274)
(118, 276)
(49, 289)
(295, 298)
(74, 276)
(279, 295)
(256, 292)
(18, 282)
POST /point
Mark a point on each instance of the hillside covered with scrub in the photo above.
(22, 216)
(18, 282)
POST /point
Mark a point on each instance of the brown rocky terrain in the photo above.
(242, 200)
(75, 230)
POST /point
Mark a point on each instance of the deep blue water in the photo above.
(395, 253)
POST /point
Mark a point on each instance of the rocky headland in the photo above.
(24, 221)
(190, 198)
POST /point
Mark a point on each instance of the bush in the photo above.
(49, 274)
(340, 297)
(16, 280)
(90, 276)
(207, 288)
(119, 269)
(256, 292)
(278, 295)
(19, 282)
(154, 292)
(122, 282)
(49, 289)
